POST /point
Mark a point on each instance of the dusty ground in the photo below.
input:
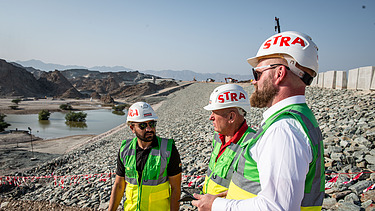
(31, 106)
(18, 153)
(20, 205)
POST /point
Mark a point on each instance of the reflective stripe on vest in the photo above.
(155, 190)
(219, 173)
(314, 184)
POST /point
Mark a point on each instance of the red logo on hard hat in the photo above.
(147, 114)
(231, 96)
(133, 112)
(283, 41)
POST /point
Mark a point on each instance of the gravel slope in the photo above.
(347, 120)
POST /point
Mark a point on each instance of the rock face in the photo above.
(141, 89)
(88, 81)
(16, 81)
(58, 85)
(95, 95)
(107, 99)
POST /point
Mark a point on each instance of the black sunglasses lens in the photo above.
(142, 125)
(152, 124)
(255, 73)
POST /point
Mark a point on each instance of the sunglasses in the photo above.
(268, 67)
(143, 125)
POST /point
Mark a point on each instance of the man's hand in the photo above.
(204, 202)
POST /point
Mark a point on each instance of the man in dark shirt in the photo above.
(148, 167)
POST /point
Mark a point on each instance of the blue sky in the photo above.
(203, 36)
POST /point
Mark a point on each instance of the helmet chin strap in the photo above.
(305, 77)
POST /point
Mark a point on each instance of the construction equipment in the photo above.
(230, 80)
(210, 80)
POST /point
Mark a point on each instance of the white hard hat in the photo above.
(294, 47)
(228, 96)
(141, 112)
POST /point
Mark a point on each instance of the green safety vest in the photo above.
(153, 193)
(245, 181)
(219, 173)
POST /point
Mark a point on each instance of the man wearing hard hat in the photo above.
(228, 105)
(148, 167)
(282, 167)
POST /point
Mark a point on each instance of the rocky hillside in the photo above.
(18, 81)
(57, 84)
(88, 81)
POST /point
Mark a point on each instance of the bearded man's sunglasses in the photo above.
(268, 67)
(143, 125)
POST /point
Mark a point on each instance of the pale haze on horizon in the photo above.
(201, 36)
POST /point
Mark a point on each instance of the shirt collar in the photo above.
(281, 104)
(153, 144)
(237, 136)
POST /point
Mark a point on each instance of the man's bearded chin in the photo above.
(147, 137)
(260, 99)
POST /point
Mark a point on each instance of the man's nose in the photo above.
(148, 128)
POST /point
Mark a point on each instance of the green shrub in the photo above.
(76, 124)
(120, 107)
(66, 107)
(16, 101)
(44, 115)
(76, 117)
(3, 124)
(120, 113)
(14, 107)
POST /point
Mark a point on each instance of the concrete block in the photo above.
(314, 83)
(353, 78)
(365, 75)
(320, 80)
(373, 83)
(341, 81)
(329, 79)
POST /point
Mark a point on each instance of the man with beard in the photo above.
(282, 167)
(148, 167)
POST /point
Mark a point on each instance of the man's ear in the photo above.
(280, 74)
(132, 128)
(232, 116)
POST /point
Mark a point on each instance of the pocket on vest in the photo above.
(164, 194)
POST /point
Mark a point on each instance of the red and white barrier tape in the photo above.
(63, 181)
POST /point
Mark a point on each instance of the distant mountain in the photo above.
(51, 67)
(110, 69)
(185, 75)
(47, 66)
(188, 75)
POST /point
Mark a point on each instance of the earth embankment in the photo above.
(81, 178)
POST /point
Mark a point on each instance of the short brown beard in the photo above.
(143, 137)
(260, 99)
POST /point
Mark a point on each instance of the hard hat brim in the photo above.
(143, 120)
(210, 107)
(253, 61)
(214, 108)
